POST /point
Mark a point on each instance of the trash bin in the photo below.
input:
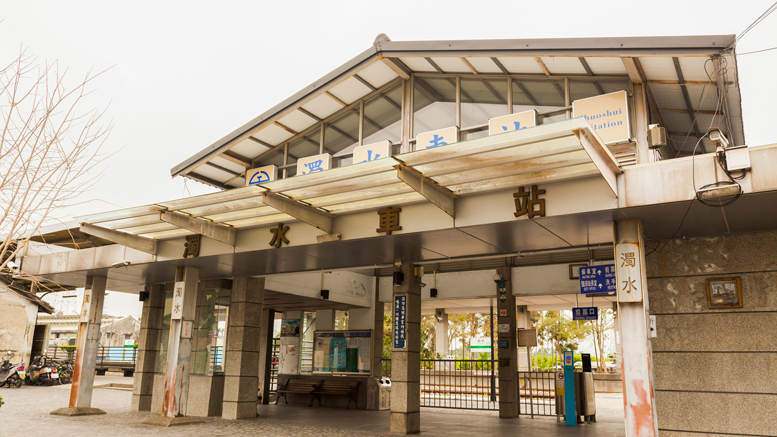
(384, 397)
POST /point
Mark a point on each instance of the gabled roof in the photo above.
(9, 283)
(675, 69)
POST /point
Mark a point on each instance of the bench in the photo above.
(296, 385)
(334, 387)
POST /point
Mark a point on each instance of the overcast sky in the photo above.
(184, 74)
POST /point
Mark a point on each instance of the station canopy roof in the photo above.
(682, 75)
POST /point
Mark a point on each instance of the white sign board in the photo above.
(186, 329)
(607, 114)
(436, 138)
(176, 311)
(509, 123)
(84, 315)
(371, 152)
(480, 343)
(261, 175)
(313, 164)
(653, 333)
(628, 272)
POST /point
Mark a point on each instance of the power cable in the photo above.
(757, 51)
(757, 21)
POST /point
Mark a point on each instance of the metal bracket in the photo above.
(312, 216)
(440, 196)
(222, 233)
(136, 242)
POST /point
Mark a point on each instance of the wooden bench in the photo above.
(296, 385)
(334, 387)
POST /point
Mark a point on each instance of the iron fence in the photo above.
(276, 348)
(459, 384)
(538, 393)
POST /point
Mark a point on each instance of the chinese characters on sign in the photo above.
(389, 220)
(371, 152)
(442, 137)
(85, 306)
(525, 202)
(597, 279)
(176, 312)
(400, 323)
(262, 174)
(629, 272)
(588, 313)
(313, 164)
(279, 236)
(192, 246)
(512, 122)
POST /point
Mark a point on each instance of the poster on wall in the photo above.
(290, 328)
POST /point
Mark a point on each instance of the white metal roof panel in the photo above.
(520, 64)
(451, 65)
(606, 65)
(213, 173)
(297, 120)
(563, 65)
(378, 74)
(272, 134)
(350, 90)
(417, 64)
(483, 64)
(227, 164)
(322, 106)
(658, 68)
(693, 68)
(249, 147)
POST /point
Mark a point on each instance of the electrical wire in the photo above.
(757, 51)
(757, 21)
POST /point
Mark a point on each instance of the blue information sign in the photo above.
(504, 344)
(400, 323)
(597, 279)
(588, 313)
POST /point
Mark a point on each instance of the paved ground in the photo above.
(29, 409)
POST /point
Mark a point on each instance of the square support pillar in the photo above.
(638, 392)
(148, 347)
(406, 362)
(509, 397)
(179, 349)
(241, 358)
(86, 352)
(441, 346)
(265, 355)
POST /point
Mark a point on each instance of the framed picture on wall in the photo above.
(574, 270)
(724, 293)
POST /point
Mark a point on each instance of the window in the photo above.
(434, 103)
(481, 100)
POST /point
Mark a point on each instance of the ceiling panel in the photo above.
(322, 106)
(451, 65)
(452, 243)
(563, 65)
(249, 148)
(516, 236)
(521, 65)
(218, 160)
(297, 121)
(418, 64)
(693, 68)
(378, 74)
(273, 134)
(483, 64)
(606, 65)
(658, 68)
(350, 90)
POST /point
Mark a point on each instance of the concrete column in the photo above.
(441, 345)
(86, 352)
(523, 321)
(148, 347)
(638, 393)
(241, 376)
(265, 354)
(406, 362)
(179, 350)
(509, 405)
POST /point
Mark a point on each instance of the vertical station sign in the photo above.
(437, 138)
(629, 272)
(176, 312)
(512, 122)
(400, 322)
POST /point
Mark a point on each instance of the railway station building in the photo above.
(435, 177)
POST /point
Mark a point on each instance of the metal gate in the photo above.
(461, 384)
(538, 394)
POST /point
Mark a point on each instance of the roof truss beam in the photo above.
(305, 213)
(136, 242)
(601, 157)
(440, 196)
(547, 73)
(590, 72)
(222, 233)
(633, 67)
(686, 97)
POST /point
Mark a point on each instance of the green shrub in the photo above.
(1, 401)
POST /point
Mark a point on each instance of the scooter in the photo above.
(11, 374)
(40, 373)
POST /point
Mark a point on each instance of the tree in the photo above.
(600, 329)
(49, 147)
(562, 332)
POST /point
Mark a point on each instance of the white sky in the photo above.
(184, 74)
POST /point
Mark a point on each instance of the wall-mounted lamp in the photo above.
(142, 296)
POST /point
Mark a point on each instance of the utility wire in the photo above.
(757, 51)
(757, 21)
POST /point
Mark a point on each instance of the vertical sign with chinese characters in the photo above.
(597, 279)
(400, 322)
(371, 152)
(176, 312)
(512, 122)
(628, 269)
(437, 138)
(313, 164)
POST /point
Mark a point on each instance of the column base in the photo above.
(405, 423)
(171, 421)
(77, 411)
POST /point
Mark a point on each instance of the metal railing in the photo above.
(459, 384)
(538, 394)
(276, 349)
(107, 356)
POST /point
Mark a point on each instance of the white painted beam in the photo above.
(222, 233)
(312, 216)
(601, 157)
(440, 196)
(136, 242)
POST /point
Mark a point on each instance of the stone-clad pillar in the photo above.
(86, 352)
(509, 398)
(637, 364)
(241, 357)
(148, 347)
(265, 354)
(406, 361)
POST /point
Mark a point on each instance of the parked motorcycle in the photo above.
(11, 374)
(40, 372)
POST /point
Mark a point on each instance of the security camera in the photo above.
(12, 265)
(718, 138)
(497, 277)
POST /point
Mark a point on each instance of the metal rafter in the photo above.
(440, 196)
(548, 74)
(686, 97)
(450, 81)
(136, 242)
(590, 72)
(223, 233)
(305, 213)
(517, 83)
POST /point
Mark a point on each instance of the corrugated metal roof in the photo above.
(366, 73)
